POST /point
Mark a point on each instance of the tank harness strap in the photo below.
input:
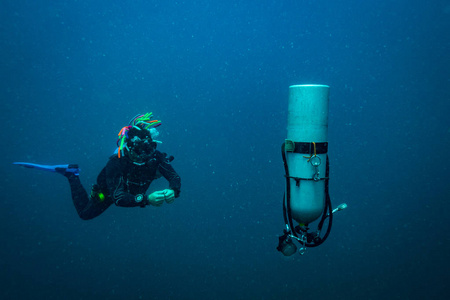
(298, 179)
(312, 149)
(306, 147)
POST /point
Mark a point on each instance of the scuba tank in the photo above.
(305, 158)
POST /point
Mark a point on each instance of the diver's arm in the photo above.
(166, 169)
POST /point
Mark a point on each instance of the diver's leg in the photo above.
(93, 209)
(87, 208)
(79, 196)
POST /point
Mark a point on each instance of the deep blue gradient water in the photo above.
(217, 74)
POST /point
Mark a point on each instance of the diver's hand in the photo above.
(156, 198)
(169, 195)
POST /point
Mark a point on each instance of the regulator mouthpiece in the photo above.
(340, 207)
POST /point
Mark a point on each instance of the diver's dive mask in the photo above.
(140, 149)
(136, 140)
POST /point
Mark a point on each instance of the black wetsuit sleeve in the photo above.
(166, 170)
(116, 186)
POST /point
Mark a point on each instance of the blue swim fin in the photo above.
(62, 169)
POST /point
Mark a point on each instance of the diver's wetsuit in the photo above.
(122, 182)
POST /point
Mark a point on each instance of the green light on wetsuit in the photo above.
(101, 197)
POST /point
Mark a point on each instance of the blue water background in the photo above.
(217, 74)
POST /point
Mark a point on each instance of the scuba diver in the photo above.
(127, 175)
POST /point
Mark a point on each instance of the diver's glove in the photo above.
(169, 195)
(157, 198)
